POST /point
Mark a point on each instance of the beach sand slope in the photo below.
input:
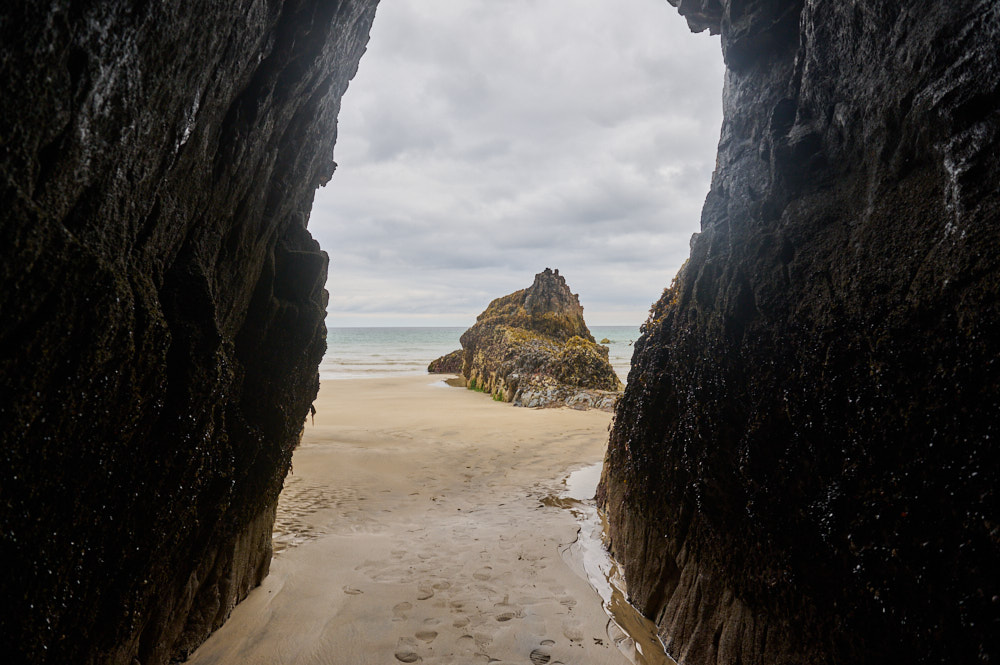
(412, 529)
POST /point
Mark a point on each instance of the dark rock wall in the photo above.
(161, 306)
(802, 469)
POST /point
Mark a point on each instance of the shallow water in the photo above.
(633, 634)
(581, 485)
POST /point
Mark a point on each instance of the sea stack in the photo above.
(533, 348)
(803, 467)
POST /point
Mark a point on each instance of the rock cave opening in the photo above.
(802, 466)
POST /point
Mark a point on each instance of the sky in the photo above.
(483, 141)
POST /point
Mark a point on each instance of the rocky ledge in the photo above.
(533, 348)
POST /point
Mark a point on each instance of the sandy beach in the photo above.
(421, 523)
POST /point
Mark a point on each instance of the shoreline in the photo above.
(416, 526)
(381, 352)
(415, 373)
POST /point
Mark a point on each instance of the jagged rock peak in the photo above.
(547, 307)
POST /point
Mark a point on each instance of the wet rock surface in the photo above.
(533, 348)
(802, 466)
(162, 307)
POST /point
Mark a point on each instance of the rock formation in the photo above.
(803, 466)
(162, 305)
(450, 363)
(534, 349)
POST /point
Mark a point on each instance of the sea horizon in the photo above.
(358, 352)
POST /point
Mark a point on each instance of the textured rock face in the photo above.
(802, 469)
(162, 307)
(450, 363)
(533, 348)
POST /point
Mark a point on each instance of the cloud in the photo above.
(483, 141)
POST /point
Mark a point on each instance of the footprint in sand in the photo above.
(351, 591)
(424, 592)
(461, 622)
(572, 632)
(399, 611)
(540, 656)
(426, 635)
(406, 650)
(507, 616)
(508, 611)
(483, 574)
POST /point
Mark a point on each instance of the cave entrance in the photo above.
(480, 143)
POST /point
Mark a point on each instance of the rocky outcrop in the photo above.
(533, 348)
(450, 363)
(802, 468)
(162, 303)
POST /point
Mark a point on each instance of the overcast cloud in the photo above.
(485, 140)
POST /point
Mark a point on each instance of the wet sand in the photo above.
(418, 525)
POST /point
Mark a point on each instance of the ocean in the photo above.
(357, 353)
